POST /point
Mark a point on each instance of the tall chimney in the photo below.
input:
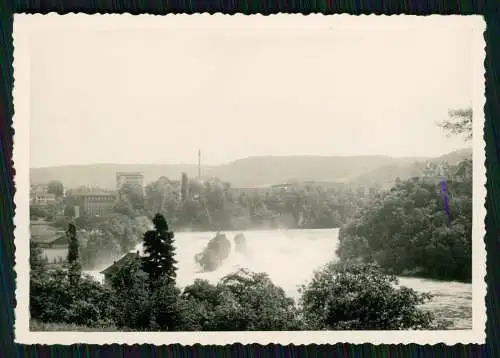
(199, 163)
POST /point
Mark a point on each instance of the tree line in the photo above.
(213, 205)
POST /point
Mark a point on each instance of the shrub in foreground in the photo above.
(241, 301)
(54, 299)
(353, 296)
(131, 296)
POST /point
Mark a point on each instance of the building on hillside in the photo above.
(111, 270)
(134, 178)
(95, 202)
(39, 195)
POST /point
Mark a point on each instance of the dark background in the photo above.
(490, 9)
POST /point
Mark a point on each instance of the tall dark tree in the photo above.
(184, 186)
(74, 271)
(55, 187)
(159, 260)
(37, 262)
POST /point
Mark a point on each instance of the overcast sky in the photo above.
(131, 91)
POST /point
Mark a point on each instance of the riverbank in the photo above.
(36, 325)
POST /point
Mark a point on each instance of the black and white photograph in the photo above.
(216, 179)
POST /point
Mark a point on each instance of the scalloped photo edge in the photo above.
(23, 24)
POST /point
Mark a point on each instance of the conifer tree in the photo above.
(159, 260)
(73, 255)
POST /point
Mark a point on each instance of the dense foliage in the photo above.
(131, 296)
(422, 226)
(459, 123)
(105, 238)
(213, 205)
(360, 297)
(241, 301)
(56, 188)
(54, 298)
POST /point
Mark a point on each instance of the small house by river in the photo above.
(52, 242)
(111, 270)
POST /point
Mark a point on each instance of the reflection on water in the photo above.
(290, 257)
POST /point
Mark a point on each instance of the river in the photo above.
(290, 257)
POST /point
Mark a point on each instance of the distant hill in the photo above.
(385, 175)
(260, 171)
(455, 157)
(104, 175)
(244, 173)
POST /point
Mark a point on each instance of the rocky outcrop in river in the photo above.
(240, 243)
(214, 254)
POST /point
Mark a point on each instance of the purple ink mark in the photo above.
(444, 193)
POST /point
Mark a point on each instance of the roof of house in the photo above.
(129, 174)
(94, 193)
(43, 232)
(60, 240)
(56, 240)
(39, 185)
(128, 257)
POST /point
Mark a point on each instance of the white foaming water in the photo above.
(290, 258)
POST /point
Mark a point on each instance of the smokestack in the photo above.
(199, 163)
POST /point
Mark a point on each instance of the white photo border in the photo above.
(24, 24)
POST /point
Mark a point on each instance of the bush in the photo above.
(38, 212)
(242, 301)
(198, 305)
(91, 304)
(131, 296)
(352, 296)
(54, 299)
(166, 306)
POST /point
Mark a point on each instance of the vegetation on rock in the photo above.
(240, 243)
(214, 254)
